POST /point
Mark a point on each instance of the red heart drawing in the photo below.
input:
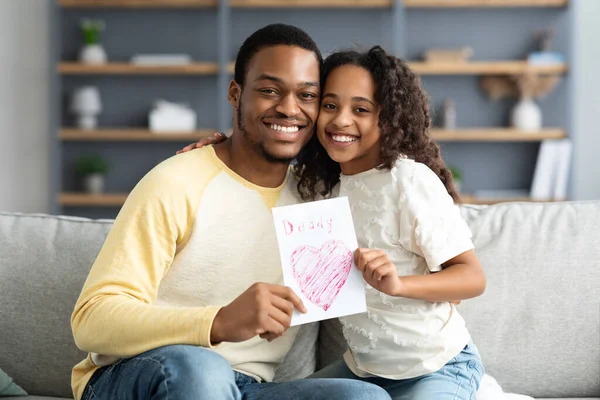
(321, 273)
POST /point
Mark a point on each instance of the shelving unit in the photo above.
(476, 68)
(137, 3)
(212, 71)
(197, 68)
(483, 3)
(92, 200)
(310, 3)
(131, 135)
(117, 200)
(496, 135)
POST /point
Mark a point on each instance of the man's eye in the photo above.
(309, 95)
(268, 91)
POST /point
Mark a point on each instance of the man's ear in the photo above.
(235, 92)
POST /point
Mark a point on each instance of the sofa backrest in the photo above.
(44, 261)
(537, 326)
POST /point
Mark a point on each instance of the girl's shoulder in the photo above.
(410, 174)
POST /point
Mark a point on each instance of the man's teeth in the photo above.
(286, 129)
(341, 138)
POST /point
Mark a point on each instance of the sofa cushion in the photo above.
(537, 325)
(8, 387)
(44, 261)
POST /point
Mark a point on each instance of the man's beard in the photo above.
(260, 147)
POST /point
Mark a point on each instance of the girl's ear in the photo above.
(235, 92)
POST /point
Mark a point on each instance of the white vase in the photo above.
(526, 116)
(94, 183)
(93, 54)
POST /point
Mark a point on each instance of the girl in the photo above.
(416, 253)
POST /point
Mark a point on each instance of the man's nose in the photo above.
(288, 106)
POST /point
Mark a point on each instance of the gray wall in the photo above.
(586, 100)
(25, 78)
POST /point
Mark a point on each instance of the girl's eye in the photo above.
(329, 106)
(362, 110)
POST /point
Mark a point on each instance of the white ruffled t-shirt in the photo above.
(408, 213)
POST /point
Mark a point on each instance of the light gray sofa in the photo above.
(537, 326)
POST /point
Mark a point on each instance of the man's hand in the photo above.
(216, 138)
(378, 271)
(264, 310)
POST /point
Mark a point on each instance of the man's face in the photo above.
(279, 104)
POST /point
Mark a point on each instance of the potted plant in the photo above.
(456, 176)
(92, 170)
(92, 51)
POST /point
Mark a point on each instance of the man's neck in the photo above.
(243, 160)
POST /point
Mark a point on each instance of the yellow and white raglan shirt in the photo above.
(191, 237)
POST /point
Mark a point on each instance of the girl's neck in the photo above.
(361, 164)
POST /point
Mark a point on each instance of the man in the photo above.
(185, 299)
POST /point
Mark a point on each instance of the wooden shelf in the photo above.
(198, 68)
(311, 3)
(484, 68)
(495, 135)
(131, 135)
(475, 68)
(137, 3)
(92, 200)
(483, 3)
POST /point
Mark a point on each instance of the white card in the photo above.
(316, 244)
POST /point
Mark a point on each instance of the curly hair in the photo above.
(404, 123)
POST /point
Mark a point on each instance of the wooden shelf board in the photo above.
(475, 68)
(484, 68)
(311, 3)
(483, 3)
(92, 200)
(137, 3)
(467, 199)
(198, 68)
(495, 135)
(132, 135)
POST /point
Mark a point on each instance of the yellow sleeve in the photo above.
(115, 314)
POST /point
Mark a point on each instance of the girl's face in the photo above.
(348, 121)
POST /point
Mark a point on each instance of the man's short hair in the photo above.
(272, 35)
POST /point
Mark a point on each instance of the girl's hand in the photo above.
(378, 271)
(216, 138)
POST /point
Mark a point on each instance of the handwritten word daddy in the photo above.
(321, 224)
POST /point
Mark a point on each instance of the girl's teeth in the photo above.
(286, 129)
(339, 138)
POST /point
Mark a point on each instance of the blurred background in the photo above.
(94, 93)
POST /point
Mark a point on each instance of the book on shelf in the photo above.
(551, 176)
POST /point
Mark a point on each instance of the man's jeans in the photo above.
(182, 372)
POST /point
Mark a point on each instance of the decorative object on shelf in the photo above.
(528, 86)
(92, 51)
(449, 114)
(92, 169)
(544, 54)
(551, 175)
(87, 105)
(462, 54)
(161, 59)
(172, 117)
(457, 176)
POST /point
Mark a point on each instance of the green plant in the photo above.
(456, 173)
(91, 164)
(91, 30)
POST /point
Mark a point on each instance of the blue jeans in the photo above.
(182, 372)
(457, 380)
